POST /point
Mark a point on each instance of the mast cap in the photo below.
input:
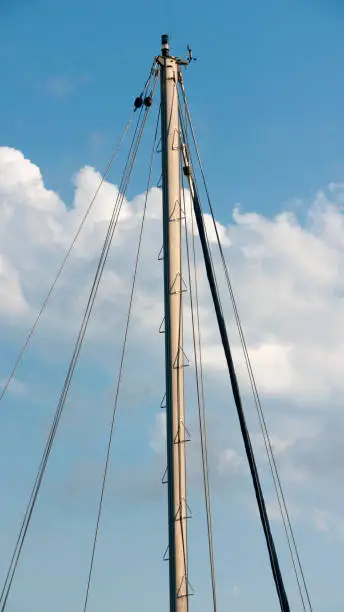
(164, 45)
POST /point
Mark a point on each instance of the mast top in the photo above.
(164, 45)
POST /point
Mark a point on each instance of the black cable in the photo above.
(200, 400)
(248, 447)
(236, 393)
(120, 374)
(268, 446)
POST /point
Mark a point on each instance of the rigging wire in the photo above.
(236, 393)
(100, 506)
(199, 374)
(200, 393)
(27, 517)
(101, 264)
(262, 421)
(70, 249)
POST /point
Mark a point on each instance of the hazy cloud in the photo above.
(62, 86)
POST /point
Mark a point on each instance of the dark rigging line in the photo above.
(200, 400)
(76, 236)
(236, 393)
(120, 371)
(202, 397)
(186, 146)
(75, 356)
(270, 454)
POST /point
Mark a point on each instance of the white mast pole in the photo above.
(174, 355)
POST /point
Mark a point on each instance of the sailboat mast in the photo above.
(174, 354)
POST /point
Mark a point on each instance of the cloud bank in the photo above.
(287, 277)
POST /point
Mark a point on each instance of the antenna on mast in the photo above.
(191, 57)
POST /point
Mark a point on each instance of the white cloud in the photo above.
(17, 388)
(230, 462)
(62, 86)
(235, 590)
(158, 437)
(222, 231)
(290, 289)
(274, 511)
(11, 296)
(321, 521)
(288, 280)
(328, 522)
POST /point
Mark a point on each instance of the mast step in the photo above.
(181, 360)
(164, 479)
(185, 589)
(158, 147)
(185, 437)
(178, 212)
(176, 142)
(183, 515)
(161, 254)
(178, 281)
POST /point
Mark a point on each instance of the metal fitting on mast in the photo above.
(164, 45)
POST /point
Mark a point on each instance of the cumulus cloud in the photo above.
(290, 291)
(158, 438)
(235, 590)
(287, 277)
(326, 522)
(230, 462)
(321, 520)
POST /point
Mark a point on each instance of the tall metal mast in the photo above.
(174, 354)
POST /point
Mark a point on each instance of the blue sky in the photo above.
(266, 95)
(267, 90)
